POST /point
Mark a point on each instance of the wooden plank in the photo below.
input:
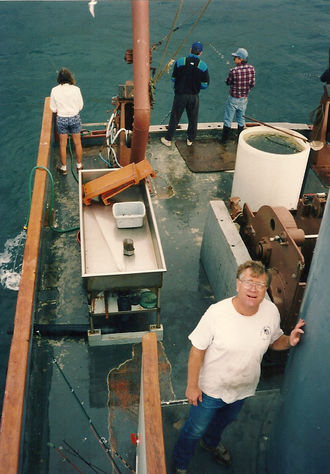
(12, 413)
(154, 438)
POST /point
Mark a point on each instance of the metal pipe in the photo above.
(141, 75)
(279, 238)
(169, 403)
(311, 236)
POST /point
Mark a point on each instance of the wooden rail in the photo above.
(151, 451)
(13, 404)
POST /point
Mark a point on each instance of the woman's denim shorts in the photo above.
(66, 125)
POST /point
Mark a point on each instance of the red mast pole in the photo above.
(141, 76)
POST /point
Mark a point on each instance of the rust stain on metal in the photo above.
(124, 391)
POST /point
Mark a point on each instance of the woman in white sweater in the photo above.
(66, 100)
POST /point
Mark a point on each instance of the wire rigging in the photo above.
(59, 451)
(75, 453)
(102, 441)
(175, 29)
(159, 73)
(317, 115)
(221, 55)
(168, 41)
(316, 118)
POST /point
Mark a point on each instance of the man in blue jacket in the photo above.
(190, 75)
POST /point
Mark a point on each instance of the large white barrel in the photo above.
(263, 178)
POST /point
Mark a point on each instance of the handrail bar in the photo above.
(13, 403)
(151, 439)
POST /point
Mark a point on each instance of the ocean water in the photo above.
(288, 43)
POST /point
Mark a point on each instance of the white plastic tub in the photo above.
(263, 178)
(129, 214)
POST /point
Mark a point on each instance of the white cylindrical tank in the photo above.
(264, 178)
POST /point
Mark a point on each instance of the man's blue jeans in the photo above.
(207, 420)
(233, 106)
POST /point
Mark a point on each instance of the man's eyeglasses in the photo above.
(248, 284)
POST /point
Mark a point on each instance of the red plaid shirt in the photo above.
(241, 79)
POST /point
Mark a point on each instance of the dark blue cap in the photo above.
(197, 46)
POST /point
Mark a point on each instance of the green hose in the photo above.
(86, 132)
(51, 201)
(72, 164)
(82, 133)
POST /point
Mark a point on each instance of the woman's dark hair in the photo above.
(65, 77)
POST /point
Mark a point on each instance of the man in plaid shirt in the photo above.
(241, 79)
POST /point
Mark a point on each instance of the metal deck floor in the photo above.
(180, 203)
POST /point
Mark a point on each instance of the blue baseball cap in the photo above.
(197, 46)
(241, 53)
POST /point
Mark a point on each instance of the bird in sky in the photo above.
(91, 5)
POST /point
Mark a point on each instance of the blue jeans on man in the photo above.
(238, 106)
(207, 420)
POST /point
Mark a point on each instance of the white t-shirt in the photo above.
(66, 100)
(235, 345)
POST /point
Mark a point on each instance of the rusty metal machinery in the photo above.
(284, 241)
(302, 416)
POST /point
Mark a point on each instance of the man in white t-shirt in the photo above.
(224, 362)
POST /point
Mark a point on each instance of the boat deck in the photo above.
(180, 200)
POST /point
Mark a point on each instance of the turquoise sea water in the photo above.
(288, 43)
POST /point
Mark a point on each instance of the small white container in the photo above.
(129, 214)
